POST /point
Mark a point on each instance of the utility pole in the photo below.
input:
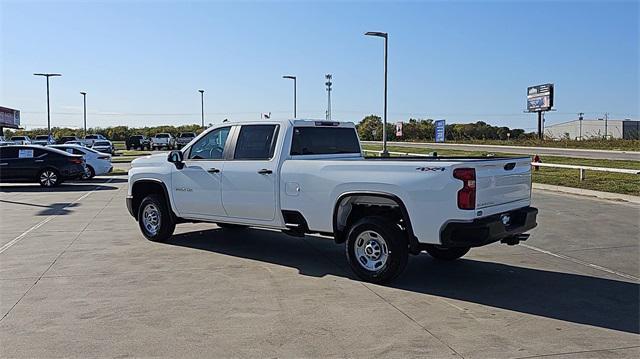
(328, 83)
(48, 108)
(295, 91)
(385, 36)
(606, 119)
(202, 106)
(84, 100)
(580, 118)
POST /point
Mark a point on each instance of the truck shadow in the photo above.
(575, 298)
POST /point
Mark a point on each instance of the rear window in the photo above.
(162, 135)
(183, 135)
(90, 137)
(101, 143)
(18, 138)
(136, 137)
(324, 141)
(41, 137)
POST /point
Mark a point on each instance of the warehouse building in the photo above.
(621, 129)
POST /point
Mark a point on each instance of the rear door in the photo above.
(249, 178)
(8, 157)
(196, 187)
(502, 181)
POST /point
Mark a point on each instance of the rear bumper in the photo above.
(490, 229)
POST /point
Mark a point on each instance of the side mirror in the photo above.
(177, 158)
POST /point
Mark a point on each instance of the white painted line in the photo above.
(586, 264)
(44, 221)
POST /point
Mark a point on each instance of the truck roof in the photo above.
(294, 122)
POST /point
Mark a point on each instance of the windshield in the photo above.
(162, 135)
(91, 137)
(136, 137)
(101, 143)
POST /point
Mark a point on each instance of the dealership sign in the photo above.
(399, 129)
(440, 134)
(540, 98)
(9, 117)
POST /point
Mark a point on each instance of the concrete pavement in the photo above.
(81, 281)
(521, 150)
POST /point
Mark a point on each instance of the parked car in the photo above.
(45, 165)
(98, 163)
(310, 177)
(65, 139)
(103, 146)
(43, 140)
(21, 140)
(139, 142)
(163, 140)
(4, 142)
(184, 138)
(90, 139)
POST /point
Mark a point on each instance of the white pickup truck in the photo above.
(302, 176)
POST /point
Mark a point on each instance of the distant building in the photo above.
(622, 129)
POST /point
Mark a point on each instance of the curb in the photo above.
(588, 193)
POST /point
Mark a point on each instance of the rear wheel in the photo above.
(154, 219)
(446, 253)
(49, 177)
(92, 172)
(377, 250)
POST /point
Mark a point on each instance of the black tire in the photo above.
(49, 177)
(230, 226)
(92, 172)
(165, 224)
(446, 253)
(387, 234)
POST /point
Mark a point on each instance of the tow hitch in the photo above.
(513, 240)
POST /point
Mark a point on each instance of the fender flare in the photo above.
(340, 237)
(155, 181)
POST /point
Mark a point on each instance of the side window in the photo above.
(211, 146)
(256, 142)
(8, 152)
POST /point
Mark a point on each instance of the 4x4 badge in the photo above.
(426, 169)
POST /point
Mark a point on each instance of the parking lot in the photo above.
(78, 279)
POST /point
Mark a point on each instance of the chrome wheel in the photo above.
(48, 178)
(151, 219)
(371, 251)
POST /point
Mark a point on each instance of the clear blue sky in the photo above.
(143, 62)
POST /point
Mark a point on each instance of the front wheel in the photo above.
(377, 250)
(446, 253)
(49, 178)
(154, 219)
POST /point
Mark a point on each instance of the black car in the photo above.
(65, 139)
(138, 142)
(45, 165)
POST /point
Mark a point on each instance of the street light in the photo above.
(384, 35)
(202, 106)
(84, 100)
(328, 77)
(294, 92)
(48, 110)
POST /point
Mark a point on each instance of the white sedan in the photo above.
(98, 163)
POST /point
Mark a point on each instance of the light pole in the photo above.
(48, 110)
(384, 35)
(580, 119)
(202, 106)
(84, 100)
(295, 90)
(328, 83)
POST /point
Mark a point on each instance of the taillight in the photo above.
(76, 160)
(467, 195)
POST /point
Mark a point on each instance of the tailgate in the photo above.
(502, 181)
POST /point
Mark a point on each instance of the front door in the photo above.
(197, 187)
(250, 177)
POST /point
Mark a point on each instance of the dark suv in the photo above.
(138, 142)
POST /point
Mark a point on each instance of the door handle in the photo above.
(265, 171)
(213, 170)
(39, 161)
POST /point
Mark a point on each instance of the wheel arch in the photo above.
(341, 215)
(146, 186)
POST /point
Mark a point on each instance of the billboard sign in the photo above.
(540, 98)
(9, 117)
(440, 134)
(399, 129)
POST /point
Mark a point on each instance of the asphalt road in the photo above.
(530, 151)
(77, 279)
